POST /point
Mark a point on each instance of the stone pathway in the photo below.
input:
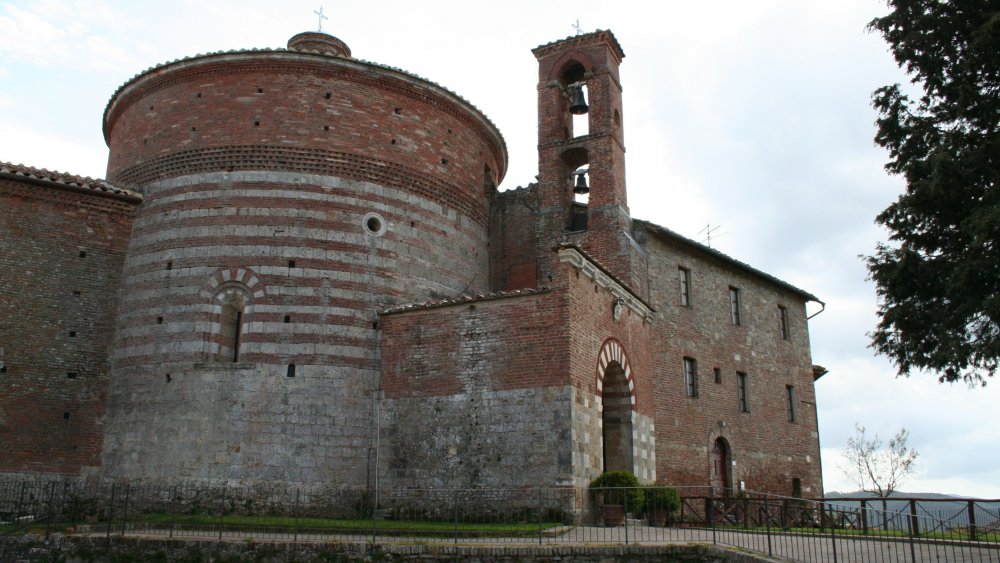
(792, 547)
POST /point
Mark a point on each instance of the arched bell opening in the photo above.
(616, 416)
(576, 168)
(572, 79)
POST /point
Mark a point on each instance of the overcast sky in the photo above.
(753, 117)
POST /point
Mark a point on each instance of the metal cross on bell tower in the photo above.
(321, 18)
(577, 27)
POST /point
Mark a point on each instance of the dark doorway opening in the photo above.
(617, 419)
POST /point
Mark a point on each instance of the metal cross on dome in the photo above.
(577, 27)
(321, 18)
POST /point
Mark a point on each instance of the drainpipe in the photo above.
(823, 305)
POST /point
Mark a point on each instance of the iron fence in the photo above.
(913, 530)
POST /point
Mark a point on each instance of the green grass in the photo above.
(328, 524)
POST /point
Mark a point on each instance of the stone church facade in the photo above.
(300, 270)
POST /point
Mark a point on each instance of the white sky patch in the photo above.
(22, 145)
(26, 35)
(108, 55)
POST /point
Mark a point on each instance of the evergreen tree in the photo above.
(938, 279)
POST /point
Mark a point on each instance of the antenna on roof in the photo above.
(709, 230)
(577, 27)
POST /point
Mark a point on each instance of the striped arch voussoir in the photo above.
(233, 276)
(613, 351)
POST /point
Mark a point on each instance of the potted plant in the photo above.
(660, 503)
(618, 492)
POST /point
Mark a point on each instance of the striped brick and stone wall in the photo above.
(63, 246)
(505, 390)
(290, 196)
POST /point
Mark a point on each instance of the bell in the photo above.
(581, 186)
(578, 103)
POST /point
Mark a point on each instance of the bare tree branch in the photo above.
(875, 469)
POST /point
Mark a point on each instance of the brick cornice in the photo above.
(310, 161)
(585, 265)
(595, 37)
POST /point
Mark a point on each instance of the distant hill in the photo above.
(896, 494)
(935, 510)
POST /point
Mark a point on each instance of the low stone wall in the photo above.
(77, 500)
(72, 549)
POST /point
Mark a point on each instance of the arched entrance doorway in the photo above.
(721, 462)
(616, 391)
(617, 419)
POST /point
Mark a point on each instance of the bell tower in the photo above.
(581, 154)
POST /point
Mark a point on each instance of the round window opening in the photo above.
(374, 224)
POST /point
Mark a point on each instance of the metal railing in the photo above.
(840, 530)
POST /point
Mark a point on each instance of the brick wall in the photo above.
(477, 394)
(769, 451)
(595, 332)
(513, 258)
(60, 269)
(294, 111)
(290, 196)
(593, 59)
(505, 391)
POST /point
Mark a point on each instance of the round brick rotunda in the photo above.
(290, 195)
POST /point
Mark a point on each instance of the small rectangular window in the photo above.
(684, 276)
(783, 319)
(718, 375)
(791, 400)
(734, 304)
(744, 395)
(691, 377)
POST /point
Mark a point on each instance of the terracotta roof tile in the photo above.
(671, 235)
(64, 179)
(463, 299)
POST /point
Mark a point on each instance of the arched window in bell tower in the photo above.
(581, 119)
(574, 84)
(576, 163)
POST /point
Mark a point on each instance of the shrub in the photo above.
(659, 497)
(619, 487)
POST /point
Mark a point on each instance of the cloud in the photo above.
(33, 37)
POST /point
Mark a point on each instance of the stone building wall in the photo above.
(513, 258)
(294, 295)
(290, 196)
(505, 390)
(476, 393)
(64, 240)
(608, 324)
(769, 451)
